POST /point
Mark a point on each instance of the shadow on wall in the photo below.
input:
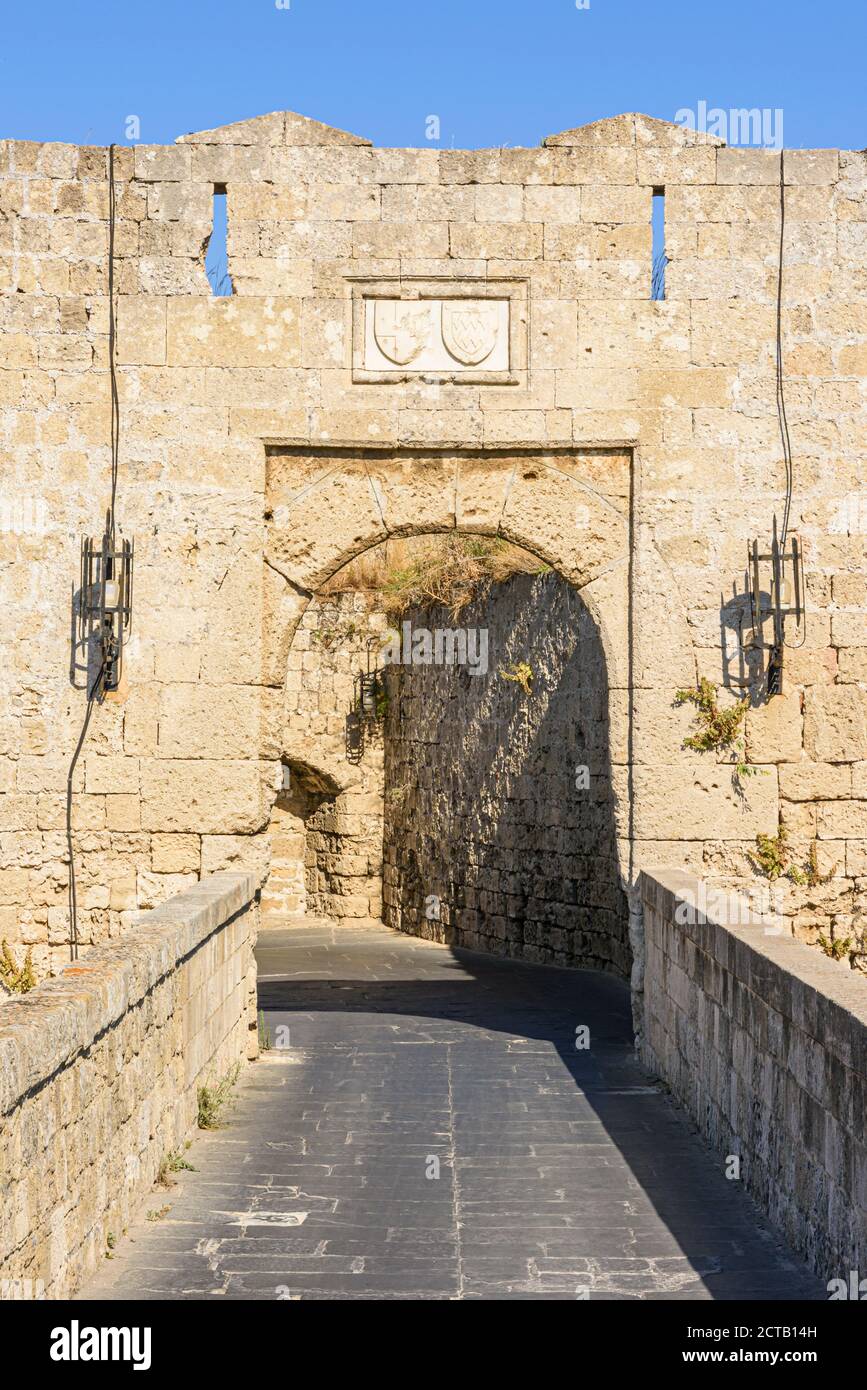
(499, 827)
(301, 844)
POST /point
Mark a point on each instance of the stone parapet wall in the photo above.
(99, 1073)
(765, 1043)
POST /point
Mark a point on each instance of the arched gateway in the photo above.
(574, 509)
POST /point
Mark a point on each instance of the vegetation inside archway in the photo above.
(449, 570)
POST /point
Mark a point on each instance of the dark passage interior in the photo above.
(499, 829)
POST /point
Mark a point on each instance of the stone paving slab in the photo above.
(560, 1171)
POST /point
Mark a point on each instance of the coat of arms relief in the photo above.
(441, 335)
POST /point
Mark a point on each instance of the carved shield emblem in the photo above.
(401, 330)
(469, 330)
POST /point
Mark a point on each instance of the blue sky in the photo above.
(493, 71)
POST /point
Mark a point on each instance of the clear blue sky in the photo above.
(494, 71)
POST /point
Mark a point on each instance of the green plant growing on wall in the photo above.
(811, 875)
(774, 859)
(452, 570)
(328, 637)
(172, 1163)
(772, 854)
(211, 1099)
(17, 978)
(717, 730)
(835, 948)
(381, 701)
(521, 672)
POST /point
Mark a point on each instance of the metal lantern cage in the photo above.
(368, 709)
(784, 598)
(105, 603)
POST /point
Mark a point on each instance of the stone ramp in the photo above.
(563, 1174)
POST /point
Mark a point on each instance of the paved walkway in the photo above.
(562, 1173)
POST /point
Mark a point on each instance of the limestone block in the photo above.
(325, 333)
(499, 203)
(141, 330)
(196, 721)
(553, 204)
(191, 203)
(480, 490)
(841, 820)
(663, 165)
(415, 494)
(154, 889)
(155, 163)
(123, 811)
(176, 854)
(695, 386)
(570, 526)
(470, 166)
(441, 427)
(553, 335)
(852, 664)
(257, 202)
(521, 426)
(675, 802)
(812, 166)
(835, 725)
(601, 203)
(806, 781)
(334, 202)
(595, 388)
(774, 730)
(388, 241)
(325, 524)
(614, 165)
(201, 796)
(234, 332)
(612, 130)
(111, 774)
(748, 166)
(497, 240)
(627, 334)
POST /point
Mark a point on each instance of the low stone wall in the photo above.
(99, 1070)
(764, 1041)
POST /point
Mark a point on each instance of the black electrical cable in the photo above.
(781, 397)
(112, 344)
(96, 689)
(73, 899)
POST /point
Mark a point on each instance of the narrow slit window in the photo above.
(659, 260)
(217, 254)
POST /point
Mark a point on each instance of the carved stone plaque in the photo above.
(466, 333)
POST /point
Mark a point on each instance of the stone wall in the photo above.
(765, 1043)
(633, 444)
(499, 830)
(326, 827)
(99, 1071)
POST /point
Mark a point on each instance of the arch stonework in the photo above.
(570, 508)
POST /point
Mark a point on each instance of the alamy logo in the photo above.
(854, 1289)
(737, 126)
(77, 1343)
(850, 516)
(21, 1289)
(728, 907)
(445, 646)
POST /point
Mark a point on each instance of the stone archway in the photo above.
(572, 508)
